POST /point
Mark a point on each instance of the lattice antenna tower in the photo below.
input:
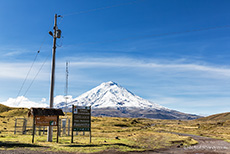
(66, 86)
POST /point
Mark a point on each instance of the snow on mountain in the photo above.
(111, 95)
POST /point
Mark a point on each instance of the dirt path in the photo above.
(205, 146)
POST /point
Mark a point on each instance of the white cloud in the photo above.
(43, 100)
(61, 98)
(22, 101)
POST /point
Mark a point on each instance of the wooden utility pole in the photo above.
(50, 128)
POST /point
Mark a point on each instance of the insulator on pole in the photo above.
(58, 33)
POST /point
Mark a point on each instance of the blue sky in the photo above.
(143, 45)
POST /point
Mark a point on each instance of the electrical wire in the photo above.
(157, 35)
(101, 8)
(60, 19)
(26, 76)
(35, 58)
(36, 76)
(61, 42)
(43, 42)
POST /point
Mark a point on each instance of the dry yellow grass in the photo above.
(133, 134)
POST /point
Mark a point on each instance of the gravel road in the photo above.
(205, 146)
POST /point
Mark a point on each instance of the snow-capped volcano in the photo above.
(110, 94)
(110, 99)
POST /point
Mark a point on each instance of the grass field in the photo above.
(218, 129)
(111, 133)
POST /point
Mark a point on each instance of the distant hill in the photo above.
(10, 111)
(216, 117)
(4, 108)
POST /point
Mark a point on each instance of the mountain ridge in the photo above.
(216, 117)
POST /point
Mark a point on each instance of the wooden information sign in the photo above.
(81, 119)
(46, 121)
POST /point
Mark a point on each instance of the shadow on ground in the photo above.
(96, 145)
(8, 144)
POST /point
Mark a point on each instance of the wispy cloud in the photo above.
(10, 54)
(19, 70)
(218, 71)
(196, 105)
(12, 51)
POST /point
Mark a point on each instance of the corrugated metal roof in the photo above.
(45, 112)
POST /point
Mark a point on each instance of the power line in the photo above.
(158, 35)
(26, 76)
(36, 76)
(42, 43)
(101, 8)
(35, 58)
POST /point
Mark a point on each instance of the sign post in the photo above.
(72, 123)
(81, 119)
(33, 129)
(57, 128)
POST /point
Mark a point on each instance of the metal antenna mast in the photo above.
(66, 86)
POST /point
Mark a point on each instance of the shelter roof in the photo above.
(45, 112)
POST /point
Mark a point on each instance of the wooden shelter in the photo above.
(45, 117)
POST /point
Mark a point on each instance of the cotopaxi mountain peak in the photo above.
(111, 99)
